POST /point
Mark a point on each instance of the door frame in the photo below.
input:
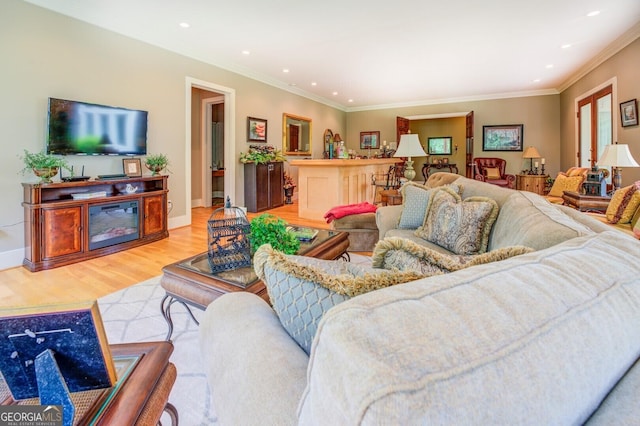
(206, 109)
(229, 137)
(613, 82)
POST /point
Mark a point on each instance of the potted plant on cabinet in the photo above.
(43, 165)
(261, 154)
(289, 186)
(156, 163)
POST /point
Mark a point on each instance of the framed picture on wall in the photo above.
(256, 129)
(506, 137)
(629, 113)
(370, 140)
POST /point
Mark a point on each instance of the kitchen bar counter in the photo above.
(323, 184)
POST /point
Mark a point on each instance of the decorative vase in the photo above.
(288, 193)
(155, 169)
(45, 175)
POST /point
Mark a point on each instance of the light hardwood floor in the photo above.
(95, 278)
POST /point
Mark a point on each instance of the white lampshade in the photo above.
(617, 155)
(410, 146)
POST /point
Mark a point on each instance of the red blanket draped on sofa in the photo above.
(342, 211)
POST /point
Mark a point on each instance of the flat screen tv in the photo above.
(80, 128)
(439, 146)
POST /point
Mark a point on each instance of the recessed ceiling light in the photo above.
(246, 52)
(537, 80)
(184, 24)
(593, 13)
(350, 100)
(285, 70)
(313, 83)
(565, 46)
(549, 66)
(335, 93)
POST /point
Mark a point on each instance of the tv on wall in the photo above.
(80, 128)
(439, 146)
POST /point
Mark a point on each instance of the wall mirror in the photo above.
(296, 135)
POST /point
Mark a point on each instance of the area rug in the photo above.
(133, 315)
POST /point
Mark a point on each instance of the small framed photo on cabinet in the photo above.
(132, 167)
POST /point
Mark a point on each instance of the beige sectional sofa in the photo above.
(546, 337)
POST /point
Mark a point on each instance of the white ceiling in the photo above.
(378, 53)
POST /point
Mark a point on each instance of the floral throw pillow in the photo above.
(415, 203)
(462, 227)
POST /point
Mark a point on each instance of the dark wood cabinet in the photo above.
(263, 186)
(67, 222)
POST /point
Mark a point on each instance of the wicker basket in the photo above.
(229, 245)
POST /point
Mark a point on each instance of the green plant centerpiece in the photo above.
(156, 163)
(43, 165)
(261, 154)
(270, 229)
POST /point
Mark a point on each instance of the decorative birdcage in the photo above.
(229, 245)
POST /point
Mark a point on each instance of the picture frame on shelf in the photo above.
(256, 129)
(629, 113)
(370, 140)
(132, 167)
(504, 137)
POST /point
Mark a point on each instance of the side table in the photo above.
(426, 169)
(390, 197)
(140, 396)
(531, 183)
(586, 203)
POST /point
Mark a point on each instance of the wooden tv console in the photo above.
(56, 229)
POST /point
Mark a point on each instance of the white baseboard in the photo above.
(11, 258)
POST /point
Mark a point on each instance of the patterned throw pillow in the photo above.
(462, 227)
(406, 255)
(415, 202)
(565, 183)
(623, 204)
(492, 173)
(302, 289)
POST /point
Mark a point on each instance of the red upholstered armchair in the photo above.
(492, 170)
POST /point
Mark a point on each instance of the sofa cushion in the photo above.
(565, 183)
(527, 219)
(405, 255)
(462, 227)
(623, 204)
(415, 203)
(534, 339)
(302, 289)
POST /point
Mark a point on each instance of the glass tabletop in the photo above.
(246, 276)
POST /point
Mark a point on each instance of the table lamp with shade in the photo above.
(616, 156)
(531, 152)
(409, 146)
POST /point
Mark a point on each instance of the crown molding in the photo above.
(620, 43)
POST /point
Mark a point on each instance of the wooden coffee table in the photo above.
(145, 379)
(586, 203)
(191, 283)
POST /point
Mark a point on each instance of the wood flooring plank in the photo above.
(98, 277)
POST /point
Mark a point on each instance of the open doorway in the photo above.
(199, 156)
